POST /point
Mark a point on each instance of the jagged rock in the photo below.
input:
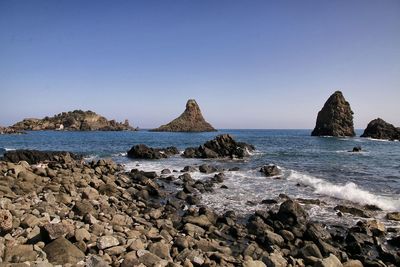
(107, 242)
(144, 152)
(357, 149)
(36, 156)
(191, 120)
(353, 210)
(62, 251)
(290, 212)
(76, 120)
(394, 216)
(380, 129)
(335, 118)
(221, 146)
(270, 170)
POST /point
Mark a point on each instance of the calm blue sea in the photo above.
(313, 167)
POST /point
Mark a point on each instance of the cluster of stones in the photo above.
(74, 213)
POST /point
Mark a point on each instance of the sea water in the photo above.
(320, 168)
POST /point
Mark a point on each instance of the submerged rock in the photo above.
(222, 146)
(335, 118)
(380, 129)
(144, 152)
(270, 170)
(191, 120)
(77, 120)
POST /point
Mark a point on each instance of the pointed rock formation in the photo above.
(335, 118)
(380, 129)
(191, 120)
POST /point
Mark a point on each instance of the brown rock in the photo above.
(191, 120)
(61, 251)
(6, 221)
(335, 118)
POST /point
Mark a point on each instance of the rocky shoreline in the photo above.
(65, 211)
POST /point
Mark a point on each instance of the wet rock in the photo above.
(316, 231)
(189, 169)
(191, 120)
(205, 168)
(272, 238)
(61, 251)
(380, 129)
(290, 212)
(107, 242)
(166, 171)
(223, 146)
(335, 118)
(357, 149)
(394, 216)
(352, 210)
(376, 227)
(144, 152)
(270, 170)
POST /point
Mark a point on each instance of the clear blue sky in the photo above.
(249, 64)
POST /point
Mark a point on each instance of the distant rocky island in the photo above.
(335, 118)
(76, 120)
(380, 129)
(191, 120)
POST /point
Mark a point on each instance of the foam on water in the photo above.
(348, 191)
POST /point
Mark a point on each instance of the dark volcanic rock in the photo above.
(222, 146)
(335, 118)
(191, 120)
(380, 129)
(36, 156)
(290, 212)
(76, 120)
(270, 170)
(144, 152)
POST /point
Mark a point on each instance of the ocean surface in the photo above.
(313, 167)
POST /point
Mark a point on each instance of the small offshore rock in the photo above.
(270, 170)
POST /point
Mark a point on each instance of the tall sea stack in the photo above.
(335, 118)
(191, 120)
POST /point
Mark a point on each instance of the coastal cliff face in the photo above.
(76, 120)
(380, 129)
(335, 118)
(191, 120)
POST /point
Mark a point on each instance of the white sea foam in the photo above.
(349, 191)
